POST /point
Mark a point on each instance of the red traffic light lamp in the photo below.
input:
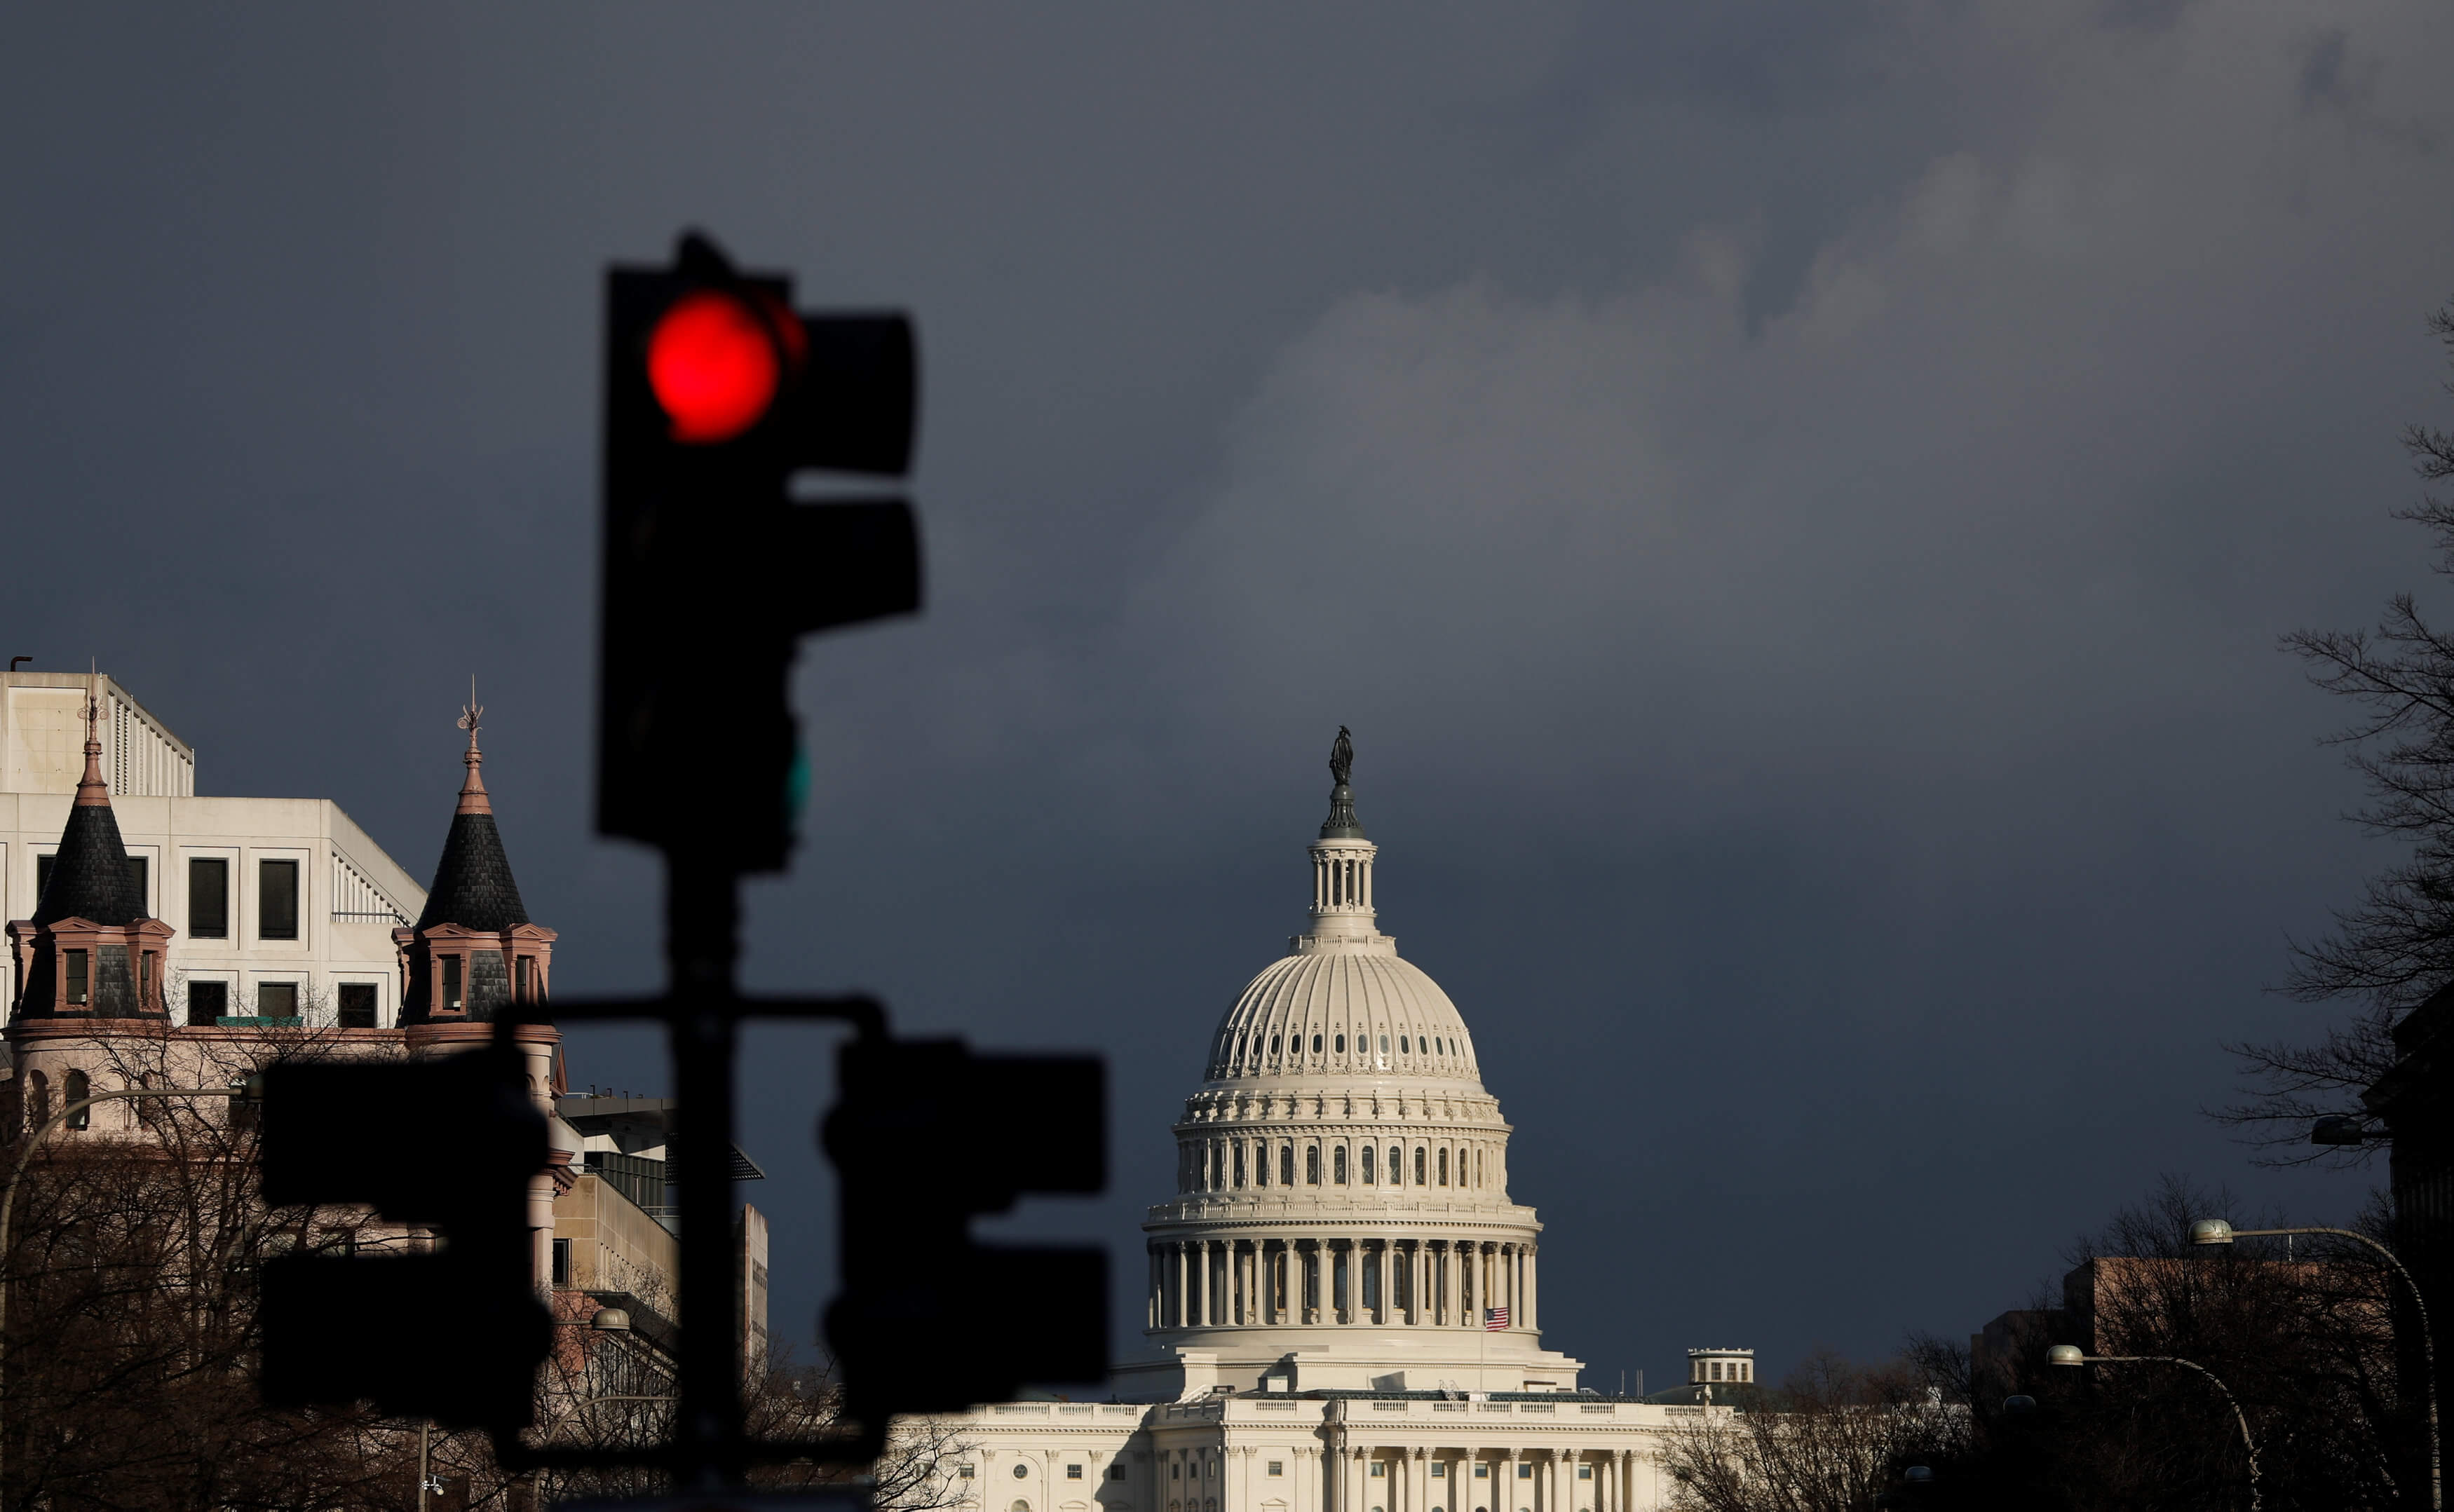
(713, 366)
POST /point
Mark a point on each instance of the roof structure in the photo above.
(473, 886)
(91, 878)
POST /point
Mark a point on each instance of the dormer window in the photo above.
(74, 971)
(450, 983)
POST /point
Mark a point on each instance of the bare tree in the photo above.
(2393, 948)
(1835, 1437)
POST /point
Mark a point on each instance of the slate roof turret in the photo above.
(91, 878)
(472, 884)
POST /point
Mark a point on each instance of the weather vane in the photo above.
(471, 712)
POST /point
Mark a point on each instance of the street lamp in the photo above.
(247, 1091)
(2073, 1355)
(2216, 1231)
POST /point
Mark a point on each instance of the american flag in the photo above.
(1494, 1318)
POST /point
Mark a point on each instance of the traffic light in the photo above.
(929, 1320)
(716, 392)
(455, 1334)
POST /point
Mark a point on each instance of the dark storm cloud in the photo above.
(1796, 502)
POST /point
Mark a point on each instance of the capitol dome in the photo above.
(1341, 1218)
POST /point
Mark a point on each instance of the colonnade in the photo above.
(1414, 1479)
(1356, 1281)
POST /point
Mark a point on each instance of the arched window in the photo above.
(1338, 1165)
(39, 1100)
(1402, 1044)
(1286, 1166)
(1316, 1044)
(75, 1088)
(1342, 1045)
(1273, 1045)
(1396, 1167)
(1371, 1167)
(1420, 1157)
(1312, 1165)
(1444, 1167)
(1239, 1162)
(1384, 1044)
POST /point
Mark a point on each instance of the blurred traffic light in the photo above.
(920, 1148)
(455, 1334)
(715, 393)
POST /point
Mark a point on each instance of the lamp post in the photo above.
(2216, 1231)
(237, 1091)
(2073, 1355)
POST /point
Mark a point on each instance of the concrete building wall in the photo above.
(351, 893)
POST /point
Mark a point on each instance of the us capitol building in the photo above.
(1343, 1301)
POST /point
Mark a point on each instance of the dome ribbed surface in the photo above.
(1366, 996)
(472, 884)
(91, 878)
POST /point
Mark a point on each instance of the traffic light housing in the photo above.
(455, 1334)
(922, 1144)
(716, 391)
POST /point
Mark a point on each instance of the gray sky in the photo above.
(1795, 501)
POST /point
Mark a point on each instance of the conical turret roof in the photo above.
(472, 884)
(91, 878)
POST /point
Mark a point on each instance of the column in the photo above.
(1231, 1480)
(1382, 1274)
(1175, 1262)
(1505, 1498)
(1359, 1470)
(1533, 1288)
(1418, 1270)
(1418, 1480)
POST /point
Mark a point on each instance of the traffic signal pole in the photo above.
(716, 392)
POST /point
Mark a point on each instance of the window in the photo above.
(1396, 1165)
(1312, 1165)
(1379, 1469)
(1440, 1469)
(966, 1471)
(75, 1088)
(208, 1002)
(1371, 1168)
(357, 1005)
(1286, 1166)
(1338, 1165)
(1115, 1472)
(520, 978)
(1276, 1467)
(1444, 1167)
(1239, 1162)
(1482, 1472)
(1021, 1470)
(1526, 1470)
(140, 872)
(452, 984)
(277, 900)
(276, 1000)
(76, 971)
(1273, 1045)
(1316, 1044)
(207, 897)
(1072, 1472)
(562, 1262)
(1420, 1157)
(1584, 1472)
(1716, 1370)
(1342, 1045)
(1477, 1167)
(1176, 1472)
(1402, 1044)
(1384, 1044)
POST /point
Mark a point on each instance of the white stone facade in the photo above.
(1342, 1308)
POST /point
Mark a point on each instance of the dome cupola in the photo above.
(1342, 1210)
